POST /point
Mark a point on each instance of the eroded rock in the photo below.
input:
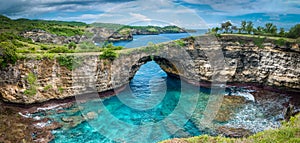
(233, 132)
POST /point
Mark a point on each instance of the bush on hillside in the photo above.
(7, 53)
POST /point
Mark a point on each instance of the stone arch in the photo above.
(164, 64)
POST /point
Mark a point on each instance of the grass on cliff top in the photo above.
(259, 36)
(289, 132)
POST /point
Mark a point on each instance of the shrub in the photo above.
(32, 49)
(108, 54)
(69, 61)
(117, 48)
(49, 56)
(280, 42)
(87, 45)
(43, 47)
(72, 45)
(61, 90)
(31, 79)
(60, 50)
(30, 92)
(259, 42)
(180, 43)
(23, 51)
(7, 53)
(48, 87)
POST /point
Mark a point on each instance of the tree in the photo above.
(234, 28)
(243, 26)
(7, 53)
(227, 25)
(294, 32)
(215, 30)
(268, 27)
(282, 32)
(259, 30)
(249, 27)
(274, 30)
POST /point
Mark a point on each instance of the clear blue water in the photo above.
(143, 40)
(152, 108)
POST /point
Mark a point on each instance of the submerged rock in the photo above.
(71, 122)
(65, 119)
(91, 115)
(229, 105)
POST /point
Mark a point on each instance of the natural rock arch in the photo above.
(164, 64)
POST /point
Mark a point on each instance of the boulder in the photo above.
(91, 115)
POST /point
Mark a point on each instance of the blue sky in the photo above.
(184, 13)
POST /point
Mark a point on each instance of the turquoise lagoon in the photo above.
(152, 108)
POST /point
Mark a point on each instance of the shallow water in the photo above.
(152, 108)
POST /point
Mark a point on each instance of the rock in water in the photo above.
(229, 105)
(65, 119)
(288, 112)
(91, 115)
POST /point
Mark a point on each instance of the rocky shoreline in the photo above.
(39, 129)
(270, 72)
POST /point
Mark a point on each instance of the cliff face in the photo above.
(245, 62)
(41, 36)
(196, 61)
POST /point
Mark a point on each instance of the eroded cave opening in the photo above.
(165, 64)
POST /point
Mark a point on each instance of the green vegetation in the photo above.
(152, 29)
(72, 45)
(247, 27)
(180, 43)
(288, 133)
(48, 87)
(280, 42)
(111, 26)
(7, 54)
(108, 54)
(294, 32)
(61, 89)
(71, 62)
(259, 41)
(61, 49)
(31, 79)
(109, 51)
(60, 28)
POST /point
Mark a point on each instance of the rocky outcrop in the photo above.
(120, 37)
(126, 34)
(42, 36)
(234, 132)
(196, 62)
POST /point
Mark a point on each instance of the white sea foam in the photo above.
(41, 124)
(247, 95)
(27, 115)
(37, 118)
(49, 107)
(253, 119)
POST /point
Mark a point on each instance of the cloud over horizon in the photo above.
(186, 13)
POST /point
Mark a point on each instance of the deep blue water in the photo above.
(152, 108)
(143, 40)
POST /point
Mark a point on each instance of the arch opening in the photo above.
(168, 67)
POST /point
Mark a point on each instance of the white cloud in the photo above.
(240, 7)
(153, 11)
(139, 16)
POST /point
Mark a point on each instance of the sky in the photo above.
(193, 14)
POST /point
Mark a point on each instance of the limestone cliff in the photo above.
(193, 59)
